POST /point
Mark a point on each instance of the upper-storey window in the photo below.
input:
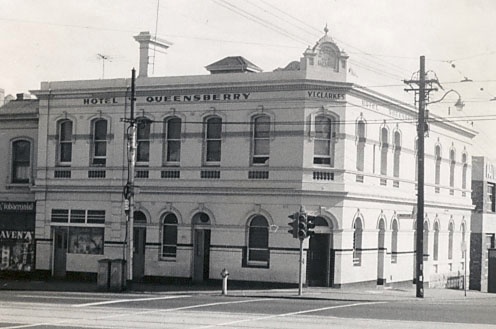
(323, 148)
(172, 143)
(65, 142)
(452, 169)
(212, 140)
(261, 140)
(360, 161)
(437, 173)
(143, 141)
(397, 154)
(21, 161)
(491, 197)
(464, 170)
(99, 142)
(384, 151)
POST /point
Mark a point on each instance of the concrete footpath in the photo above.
(349, 294)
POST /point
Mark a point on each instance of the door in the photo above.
(201, 262)
(381, 255)
(139, 253)
(59, 252)
(318, 261)
(491, 275)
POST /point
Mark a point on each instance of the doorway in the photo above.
(320, 256)
(139, 244)
(381, 253)
(201, 247)
(59, 252)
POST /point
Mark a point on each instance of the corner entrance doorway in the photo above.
(320, 256)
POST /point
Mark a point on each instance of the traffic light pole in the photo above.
(300, 276)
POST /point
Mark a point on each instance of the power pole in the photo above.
(422, 129)
(130, 176)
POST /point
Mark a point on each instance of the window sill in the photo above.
(17, 185)
(168, 259)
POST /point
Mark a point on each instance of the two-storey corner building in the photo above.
(18, 142)
(223, 159)
(483, 226)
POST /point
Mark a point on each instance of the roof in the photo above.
(233, 64)
(14, 107)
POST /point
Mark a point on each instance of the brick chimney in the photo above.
(145, 40)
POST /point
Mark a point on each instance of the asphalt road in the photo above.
(34, 309)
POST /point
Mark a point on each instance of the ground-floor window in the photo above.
(86, 240)
(258, 241)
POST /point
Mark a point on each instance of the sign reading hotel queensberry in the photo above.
(16, 206)
(173, 98)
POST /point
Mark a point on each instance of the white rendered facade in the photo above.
(228, 157)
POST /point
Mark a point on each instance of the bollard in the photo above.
(225, 274)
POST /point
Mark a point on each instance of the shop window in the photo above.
(85, 228)
(212, 141)
(172, 141)
(21, 161)
(86, 240)
(261, 140)
(99, 142)
(65, 142)
(258, 241)
(143, 141)
(169, 237)
(323, 146)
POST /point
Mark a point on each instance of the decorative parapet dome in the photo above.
(325, 56)
(233, 64)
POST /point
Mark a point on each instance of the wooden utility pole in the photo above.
(130, 179)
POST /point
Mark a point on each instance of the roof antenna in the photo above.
(155, 37)
(103, 58)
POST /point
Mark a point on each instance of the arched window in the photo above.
(464, 172)
(397, 154)
(437, 174)
(143, 141)
(426, 241)
(394, 241)
(212, 140)
(360, 160)
(323, 147)
(261, 140)
(258, 240)
(169, 236)
(21, 161)
(99, 142)
(384, 151)
(450, 240)
(357, 241)
(65, 142)
(436, 241)
(172, 143)
(452, 171)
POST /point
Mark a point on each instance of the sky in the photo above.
(53, 40)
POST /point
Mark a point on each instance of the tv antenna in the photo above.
(103, 58)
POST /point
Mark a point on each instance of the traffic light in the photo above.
(310, 225)
(302, 224)
(293, 224)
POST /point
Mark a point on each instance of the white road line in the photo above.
(62, 297)
(287, 314)
(117, 301)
